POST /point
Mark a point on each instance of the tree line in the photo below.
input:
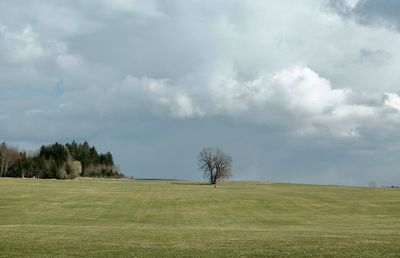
(61, 161)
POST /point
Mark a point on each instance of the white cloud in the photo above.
(68, 61)
(134, 96)
(42, 60)
(297, 100)
(20, 47)
(159, 97)
(392, 100)
(351, 4)
(305, 91)
(27, 47)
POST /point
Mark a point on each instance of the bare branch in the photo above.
(215, 164)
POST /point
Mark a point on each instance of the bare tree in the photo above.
(215, 164)
(8, 155)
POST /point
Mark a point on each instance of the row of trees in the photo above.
(57, 161)
(72, 159)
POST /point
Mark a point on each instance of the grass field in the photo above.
(106, 218)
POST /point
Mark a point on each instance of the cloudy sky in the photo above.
(296, 91)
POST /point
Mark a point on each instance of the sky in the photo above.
(295, 91)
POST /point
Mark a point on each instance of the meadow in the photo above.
(150, 218)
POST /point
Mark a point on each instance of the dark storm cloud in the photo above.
(370, 12)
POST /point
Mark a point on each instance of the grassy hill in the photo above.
(48, 218)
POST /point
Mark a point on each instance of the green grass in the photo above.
(92, 218)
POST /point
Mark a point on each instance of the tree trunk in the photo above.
(2, 167)
(6, 167)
